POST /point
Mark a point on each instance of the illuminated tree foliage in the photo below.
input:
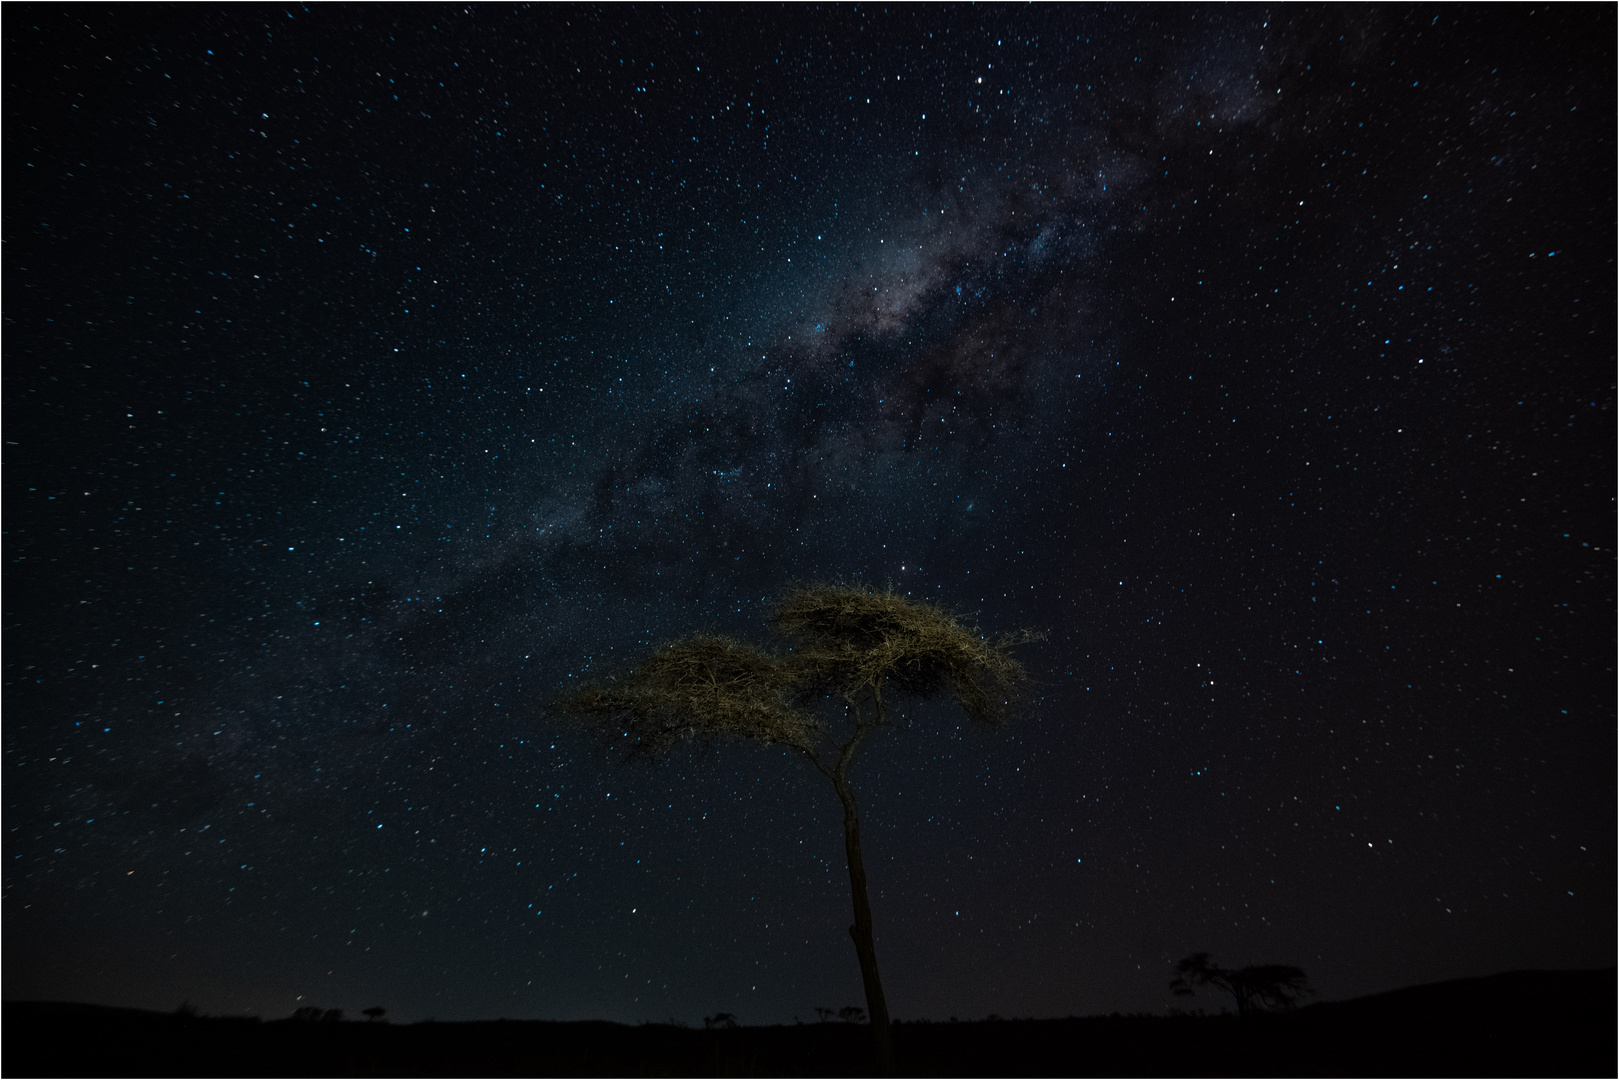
(849, 651)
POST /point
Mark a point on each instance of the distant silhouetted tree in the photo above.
(1263, 988)
(850, 647)
(374, 1013)
(306, 1014)
(852, 1014)
(824, 1014)
(720, 1020)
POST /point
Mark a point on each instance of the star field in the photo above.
(372, 375)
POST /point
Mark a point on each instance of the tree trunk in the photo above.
(864, 943)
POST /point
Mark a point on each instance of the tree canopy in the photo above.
(699, 687)
(1261, 988)
(847, 642)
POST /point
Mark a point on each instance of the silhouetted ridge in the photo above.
(1525, 1023)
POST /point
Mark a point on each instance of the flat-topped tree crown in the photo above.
(699, 687)
(851, 640)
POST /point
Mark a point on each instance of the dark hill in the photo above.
(1533, 1023)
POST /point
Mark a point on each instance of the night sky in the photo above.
(374, 374)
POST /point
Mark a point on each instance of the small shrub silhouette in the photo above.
(852, 1014)
(1261, 988)
(720, 1020)
(306, 1014)
(375, 1013)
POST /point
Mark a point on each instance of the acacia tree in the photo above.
(848, 647)
(1257, 989)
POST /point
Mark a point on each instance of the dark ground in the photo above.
(1517, 1024)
